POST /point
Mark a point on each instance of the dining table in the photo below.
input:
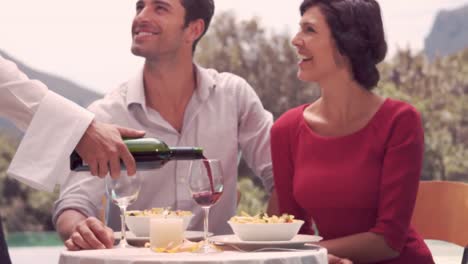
(227, 255)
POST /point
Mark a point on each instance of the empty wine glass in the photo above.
(206, 186)
(123, 191)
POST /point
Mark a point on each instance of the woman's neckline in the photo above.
(351, 134)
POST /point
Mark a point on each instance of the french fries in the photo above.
(262, 218)
(158, 211)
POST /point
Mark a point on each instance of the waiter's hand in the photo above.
(102, 148)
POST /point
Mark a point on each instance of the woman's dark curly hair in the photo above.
(357, 28)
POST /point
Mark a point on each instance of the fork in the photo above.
(264, 249)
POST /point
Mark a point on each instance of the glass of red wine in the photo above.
(206, 186)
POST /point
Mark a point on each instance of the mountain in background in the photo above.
(449, 33)
(77, 93)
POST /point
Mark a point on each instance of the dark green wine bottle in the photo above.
(149, 153)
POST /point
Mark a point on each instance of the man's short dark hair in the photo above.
(198, 9)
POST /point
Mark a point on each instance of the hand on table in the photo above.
(102, 148)
(90, 234)
(336, 260)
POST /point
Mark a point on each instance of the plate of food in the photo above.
(262, 230)
(262, 227)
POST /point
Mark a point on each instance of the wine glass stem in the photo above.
(123, 233)
(205, 224)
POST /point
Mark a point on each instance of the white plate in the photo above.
(140, 241)
(297, 241)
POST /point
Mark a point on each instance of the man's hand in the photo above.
(102, 148)
(90, 234)
(336, 260)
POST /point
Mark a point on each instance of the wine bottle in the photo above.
(149, 153)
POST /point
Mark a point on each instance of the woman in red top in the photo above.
(351, 160)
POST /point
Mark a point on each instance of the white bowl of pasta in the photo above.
(265, 228)
(138, 222)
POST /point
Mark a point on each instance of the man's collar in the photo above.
(205, 82)
(136, 90)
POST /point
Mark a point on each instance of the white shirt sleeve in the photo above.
(254, 134)
(54, 127)
(20, 97)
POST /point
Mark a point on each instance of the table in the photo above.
(145, 255)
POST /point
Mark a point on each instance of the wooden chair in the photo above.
(441, 213)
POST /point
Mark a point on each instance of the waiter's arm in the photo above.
(54, 127)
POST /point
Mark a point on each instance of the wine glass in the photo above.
(206, 186)
(123, 191)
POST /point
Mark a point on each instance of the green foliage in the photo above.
(253, 198)
(439, 90)
(22, 208)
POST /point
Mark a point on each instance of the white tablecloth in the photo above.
(145, 255)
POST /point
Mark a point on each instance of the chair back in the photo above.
(441, 211)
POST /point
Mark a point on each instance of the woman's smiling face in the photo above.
(318, 56)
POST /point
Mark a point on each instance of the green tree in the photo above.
(439, 90)
(253, 197)
(22, 208)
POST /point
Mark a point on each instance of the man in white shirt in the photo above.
(184, 105)
(55, 127)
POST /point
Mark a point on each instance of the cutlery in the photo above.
(267, 249)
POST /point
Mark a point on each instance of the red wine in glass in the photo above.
(206, 187)
(206, 198)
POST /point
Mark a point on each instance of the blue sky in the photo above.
(88, 41)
